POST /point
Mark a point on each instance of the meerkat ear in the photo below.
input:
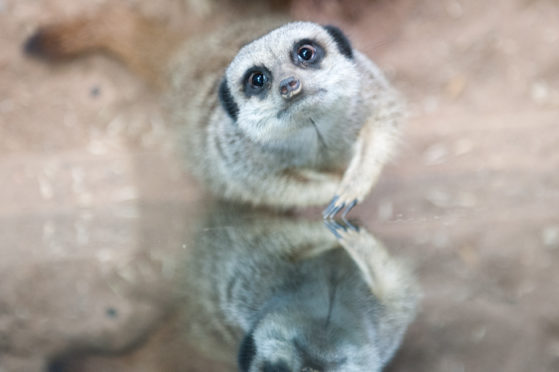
(246, 353)
(344, 46)
(227, 100)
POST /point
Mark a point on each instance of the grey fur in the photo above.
(305, 298)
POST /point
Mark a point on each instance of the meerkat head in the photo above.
(294, 338)
(290, 79)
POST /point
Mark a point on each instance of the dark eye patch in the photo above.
(344, 46)
(257, 81)
(247, 351)
(307, 53)
(227, 100)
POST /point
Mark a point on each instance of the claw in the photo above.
(337, 209)
(349, 208)
(332, 209)
(333, 227)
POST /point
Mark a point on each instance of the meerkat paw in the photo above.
(346, 198)
(341, 230)
(337, 204)
(353, 189)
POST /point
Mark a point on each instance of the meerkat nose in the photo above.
(289, 87)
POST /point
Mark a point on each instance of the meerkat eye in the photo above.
(257, 79)
(306, 53)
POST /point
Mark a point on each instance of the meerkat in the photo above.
(281, 116)
(287, 295)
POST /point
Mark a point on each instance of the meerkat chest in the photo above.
(327, 144)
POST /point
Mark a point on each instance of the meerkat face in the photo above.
(291, 79)
(291, 340)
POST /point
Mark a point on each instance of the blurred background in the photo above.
(95, 204)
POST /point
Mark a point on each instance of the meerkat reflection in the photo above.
(288, 296)
(296, 117)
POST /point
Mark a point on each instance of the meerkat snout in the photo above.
(290, 87)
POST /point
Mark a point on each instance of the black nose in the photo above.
(289, 87)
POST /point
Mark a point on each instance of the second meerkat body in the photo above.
(292, 118)
(284, 117)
